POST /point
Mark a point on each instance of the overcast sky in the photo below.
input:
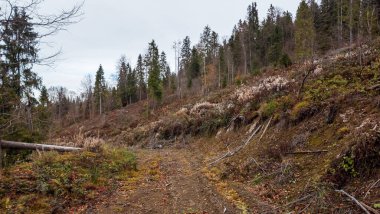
(111, 28)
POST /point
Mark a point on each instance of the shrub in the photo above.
(268, 109)
(342, 132)
(361, 159)
(300, 111)
(285, 60)
(71, 178)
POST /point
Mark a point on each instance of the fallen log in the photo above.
(232, 153)
(33, 146)
(306, 152)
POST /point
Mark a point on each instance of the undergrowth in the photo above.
(51, 182)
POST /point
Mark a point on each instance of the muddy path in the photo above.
(167, 181)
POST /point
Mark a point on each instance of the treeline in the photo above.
(206, 65)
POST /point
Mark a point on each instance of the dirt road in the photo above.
(167, 181)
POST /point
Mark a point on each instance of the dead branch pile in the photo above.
(273, 83)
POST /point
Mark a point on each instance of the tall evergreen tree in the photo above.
(122, 81)
(223, 75)
(253, 36)
(164, 70)
(236, 49)
(19, 50)
(304, 32)
(153, 66)
(140, 72)
(194, 68)
(44, 97)
(99, 89)
(131, 84)
(206, 42)
(326, 22)
(185, 53)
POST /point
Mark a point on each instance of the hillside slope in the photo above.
(285, 140)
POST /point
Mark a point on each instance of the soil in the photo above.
(167, 181)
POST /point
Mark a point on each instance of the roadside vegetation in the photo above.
(50, 182)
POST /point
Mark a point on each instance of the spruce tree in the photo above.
(194, 68)
(44, 97)
(153, 67)
(99, 89)
(206, 42)
(223, 75)
(185, 54)
(140, 72)
(253, 36)
(304, 32)
(131, 84)
(19, 52)
(122, 82)
(164, 70)
(326, 24)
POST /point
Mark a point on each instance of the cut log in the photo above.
(33, 146)
(232, 153)
(306, 152)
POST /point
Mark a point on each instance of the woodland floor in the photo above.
(167, 181)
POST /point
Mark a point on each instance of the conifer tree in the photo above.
(253, 36)
(194, 68)
(164, 70)
(206, 42)
(44, 97)
(304, 32)
(122, 87)
(99, 89)
(153, 68)
(19, 52)
(185, 52)
(140, 72)
(222, 68)
(131, 84)
(325, 24)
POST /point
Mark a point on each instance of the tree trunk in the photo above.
(351, 23)
(32, 146)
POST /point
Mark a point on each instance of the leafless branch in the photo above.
(372, 186)
(354, 200)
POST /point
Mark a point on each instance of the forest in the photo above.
(204, 66)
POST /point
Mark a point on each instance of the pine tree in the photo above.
(304, 32)
(99, 89)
